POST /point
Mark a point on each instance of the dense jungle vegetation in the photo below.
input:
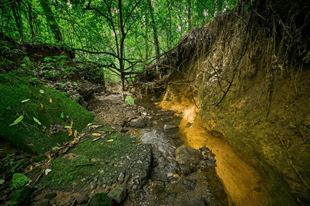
(112, 37)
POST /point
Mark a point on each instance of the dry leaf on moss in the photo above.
(70, 131)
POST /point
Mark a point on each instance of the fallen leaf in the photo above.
(150, 182)
(50, 100)
(94, 140)
(47, 171)
(26, 100)
(71, 124)
(68, 127)
(93, 159)
(46, 86)
(96, 134)
(18, 120)
(138, 143)
(75, 133)
(42, 107)
(95, 126)
(70, 131)
(30, 144)
(110, 140)
(43, 128)
(58, 144)
(37, 121)
(175, 175)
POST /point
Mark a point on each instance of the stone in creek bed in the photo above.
(138, 123)
(170, 128)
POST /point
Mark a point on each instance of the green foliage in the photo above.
(60, 23)
(129, 100)
(19, 180)
(18, 120)
(47, 59)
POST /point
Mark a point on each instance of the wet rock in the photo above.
(138, 123)
(87, 93)
(158, 141)
(83, 199)
(170, 128)
(73, 202)
(118, 194)
(50, 196)
(187, 156)
(183, 169)
(121, 178)
(45, 203)
(200, 202)
(211, 162)
(157, 186)
(100, 199)
(208, 157)
(168, 113)
(78, 98)
(164, 164)
(189, 184)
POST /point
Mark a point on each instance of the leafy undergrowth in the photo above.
(35, 117)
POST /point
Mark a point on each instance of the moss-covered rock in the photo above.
(100, 199)
(98, 164)
(40, 108)
(21, 196)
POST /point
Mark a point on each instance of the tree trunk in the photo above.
(189, 15)
(122, 40)
(219, 6)
(156, 42)
(30, 20)
(51, 20)
(18, 20)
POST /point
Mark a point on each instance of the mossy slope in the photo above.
(103, 162)
(45, 104)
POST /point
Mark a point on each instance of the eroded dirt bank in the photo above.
(242, 181)
(248, 73)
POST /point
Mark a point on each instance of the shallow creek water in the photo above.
(243, 183)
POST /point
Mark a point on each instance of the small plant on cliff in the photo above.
(129, 100)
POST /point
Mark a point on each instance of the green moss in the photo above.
(92, 162)
(45, 104)
(100, 199)
(20, 196)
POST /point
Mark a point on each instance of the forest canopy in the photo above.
(119, 36)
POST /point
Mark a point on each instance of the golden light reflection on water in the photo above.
(243, 182)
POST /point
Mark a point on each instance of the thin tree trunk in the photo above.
(189, 14)
(156, 42)
(219, 6)
(170, 25)
(18, 20)
(122, 40)
(30, 20)
(146, 36)
(51, 20)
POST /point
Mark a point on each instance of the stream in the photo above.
(242, 181)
